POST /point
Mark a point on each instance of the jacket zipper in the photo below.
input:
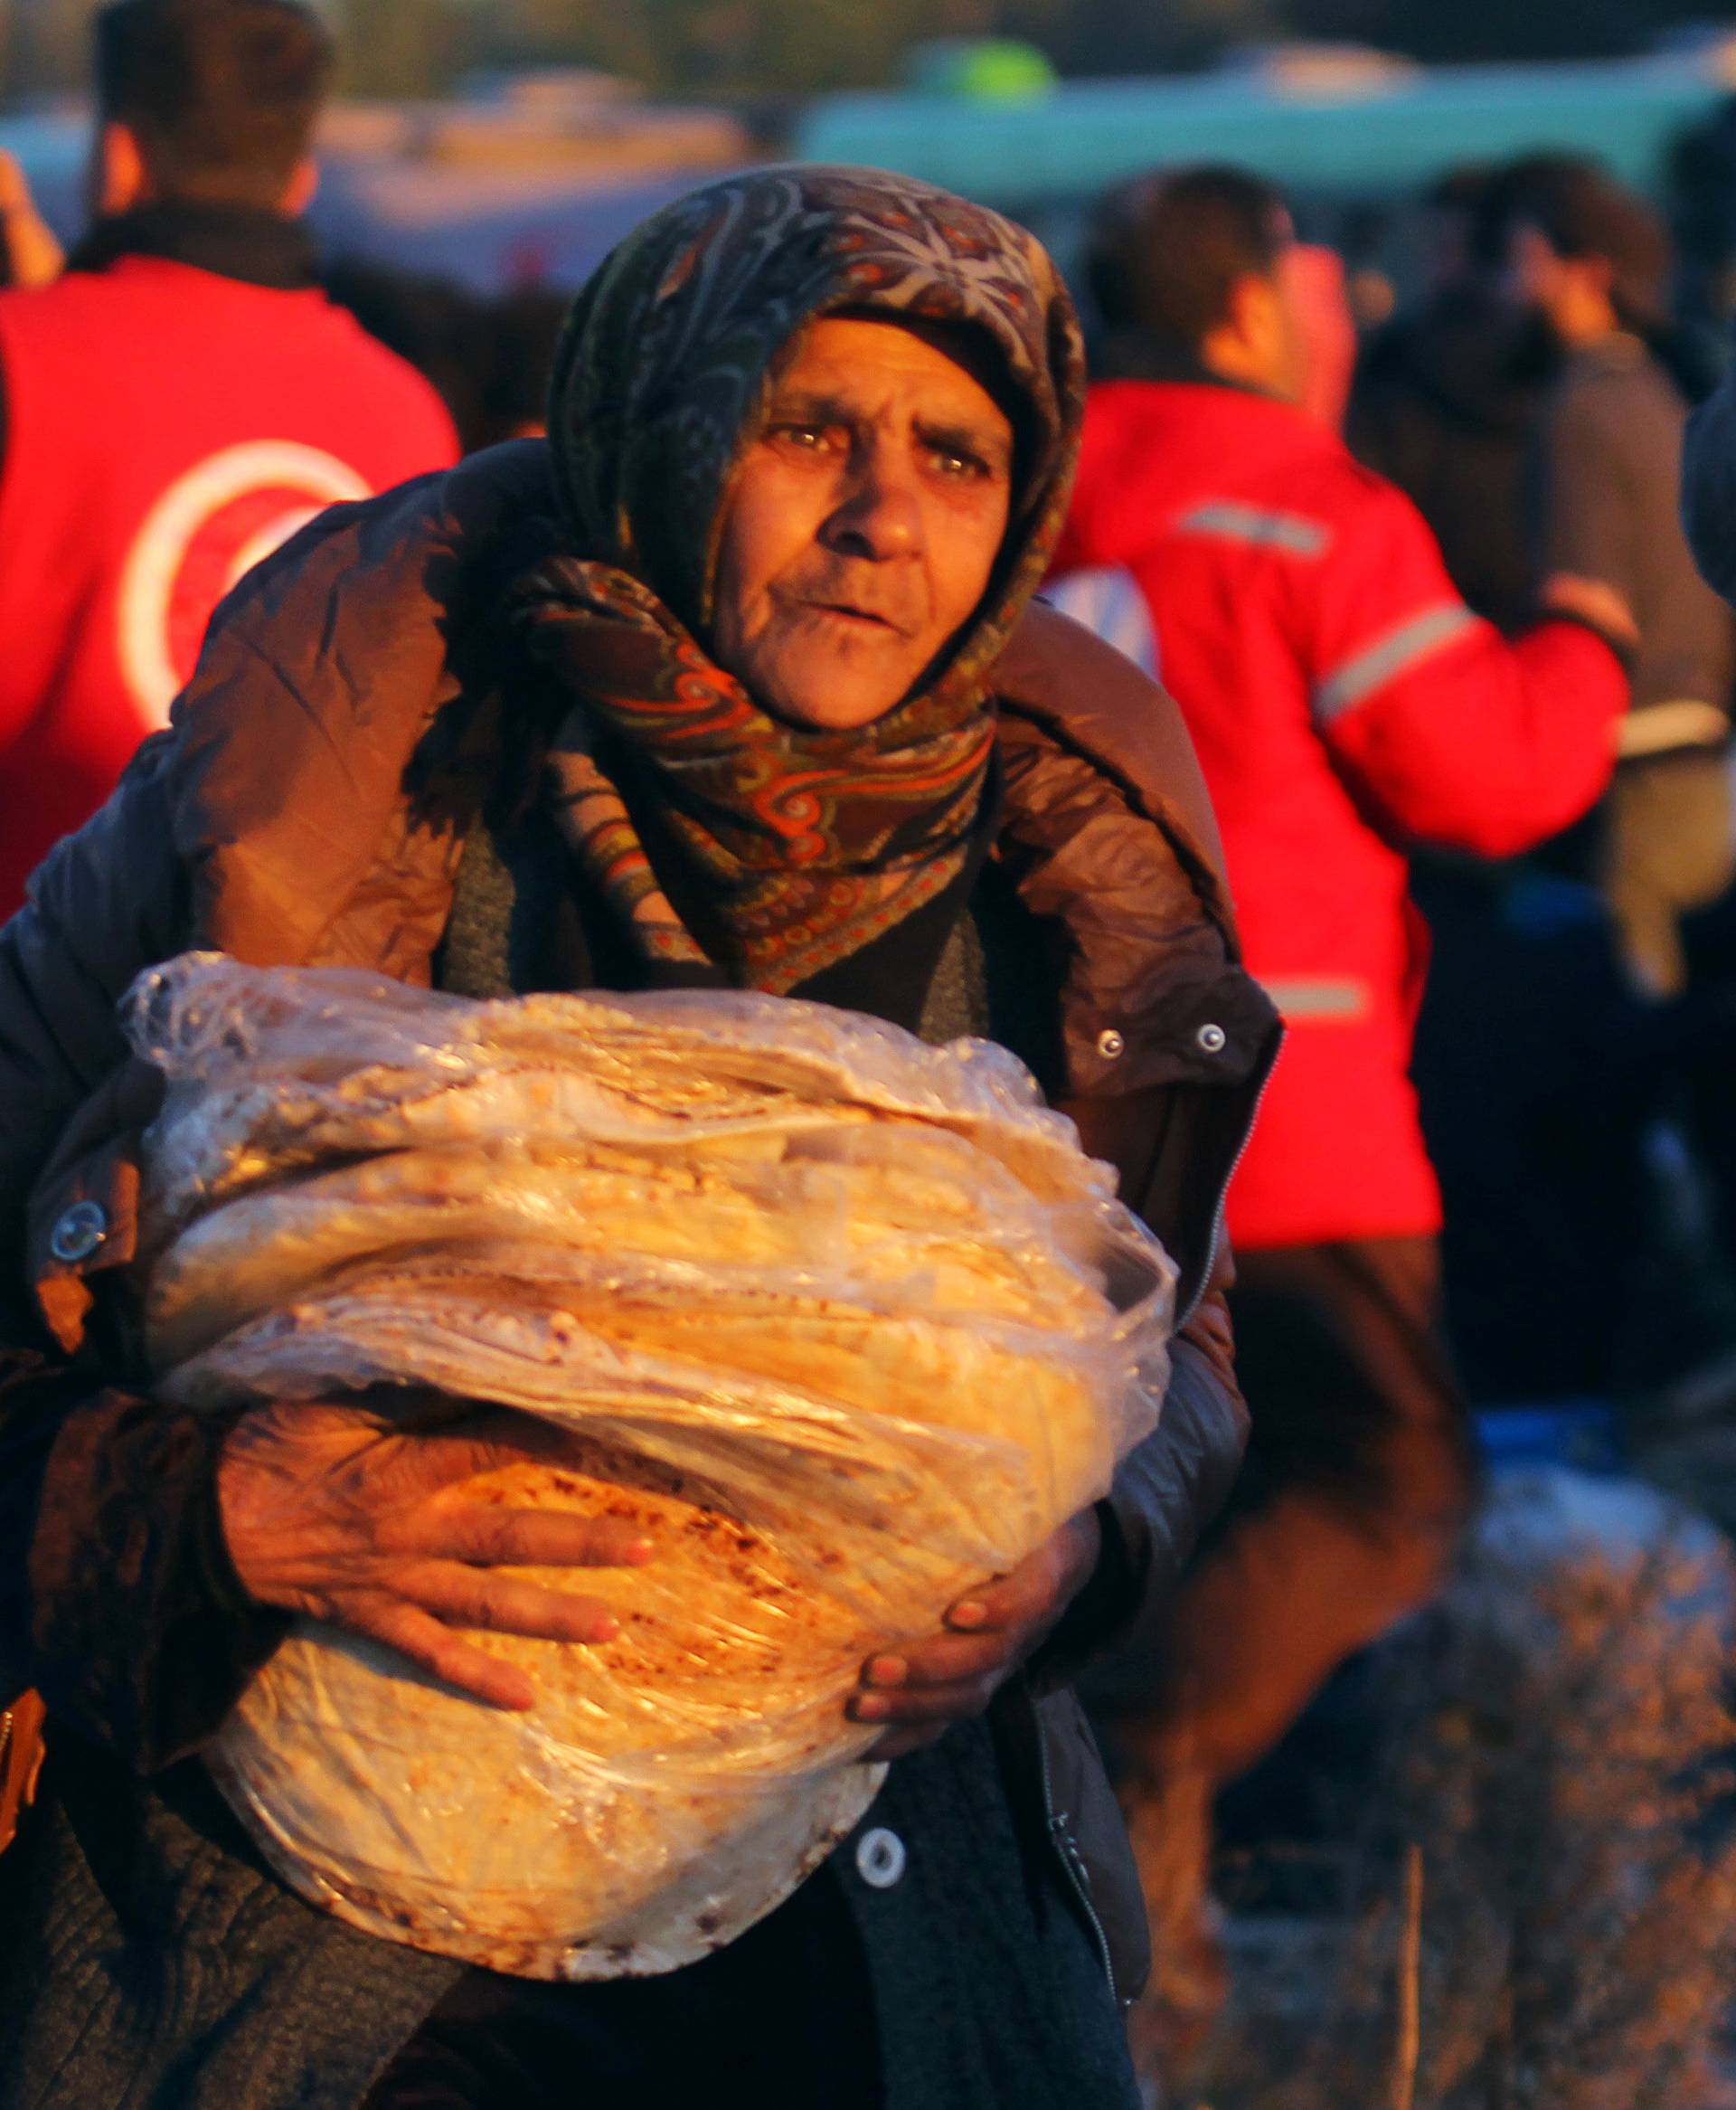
(1223, 1196)
(1072, 1863)
(1067, 1853)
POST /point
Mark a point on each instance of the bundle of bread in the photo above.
(847, 1322)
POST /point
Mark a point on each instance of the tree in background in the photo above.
(731, 47)
(1477, 30)
(1134, 36)
(394, 47)
(748, 48)
(629, 37)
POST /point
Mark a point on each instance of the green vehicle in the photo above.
(1327, 123)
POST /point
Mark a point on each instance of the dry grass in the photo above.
(1542, 1900)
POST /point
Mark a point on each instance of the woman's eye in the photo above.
(952, 461)
(810, 438)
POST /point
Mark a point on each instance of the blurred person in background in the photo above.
(1583, 1277)
(1709, 521)
(1447, 402)
(1542, 1166)
(1592, 264)
(489, 358)
(439, 326)
(1345, 703)
(524, 330)
(1700, 193)
(177, 401)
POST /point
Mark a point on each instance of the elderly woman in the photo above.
(736, 681)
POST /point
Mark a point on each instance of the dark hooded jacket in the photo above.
(1447, 405)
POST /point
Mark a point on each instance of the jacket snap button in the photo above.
(880, 1858)
(1109, 1043)
(78, 1232)
(1213, 1039)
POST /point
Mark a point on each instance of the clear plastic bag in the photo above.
(847, 1322)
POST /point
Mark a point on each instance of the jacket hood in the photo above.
(1479, 360)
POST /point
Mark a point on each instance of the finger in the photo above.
(961, 1702)
(472, 1598)
(1018, 1598)
(948, 1660)
(437, 1650)
(495, 1537)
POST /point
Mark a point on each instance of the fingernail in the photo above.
(888, 1671)
(968, 1614)
(640, 1549)
(606, 1628)
(870, 1709)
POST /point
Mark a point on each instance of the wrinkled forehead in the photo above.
(947, 369)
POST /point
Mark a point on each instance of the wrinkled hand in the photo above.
(28, 249)
(337, 1512)
(921, 1690)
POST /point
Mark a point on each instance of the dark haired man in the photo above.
(1159, 305)
(177, 401)
(1344, 702)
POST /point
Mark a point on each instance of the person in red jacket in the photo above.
(1344, 704)
(177, 403)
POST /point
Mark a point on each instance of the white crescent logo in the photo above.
(213, 524)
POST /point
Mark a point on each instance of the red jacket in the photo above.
(165, 427)
(1344, 704)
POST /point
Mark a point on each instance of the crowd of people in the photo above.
(1159, 690)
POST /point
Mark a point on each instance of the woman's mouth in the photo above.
(845, 611)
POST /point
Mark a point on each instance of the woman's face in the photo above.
(861, 526)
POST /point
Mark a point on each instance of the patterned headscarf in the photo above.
(804, 843)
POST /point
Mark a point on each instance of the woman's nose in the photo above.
(879, 515)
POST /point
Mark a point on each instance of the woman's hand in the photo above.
(337, 1512)
(922, 1690)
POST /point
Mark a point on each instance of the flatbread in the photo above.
(360, 1070)
(876, 1209)
(845, 1322)
(430, 1814)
